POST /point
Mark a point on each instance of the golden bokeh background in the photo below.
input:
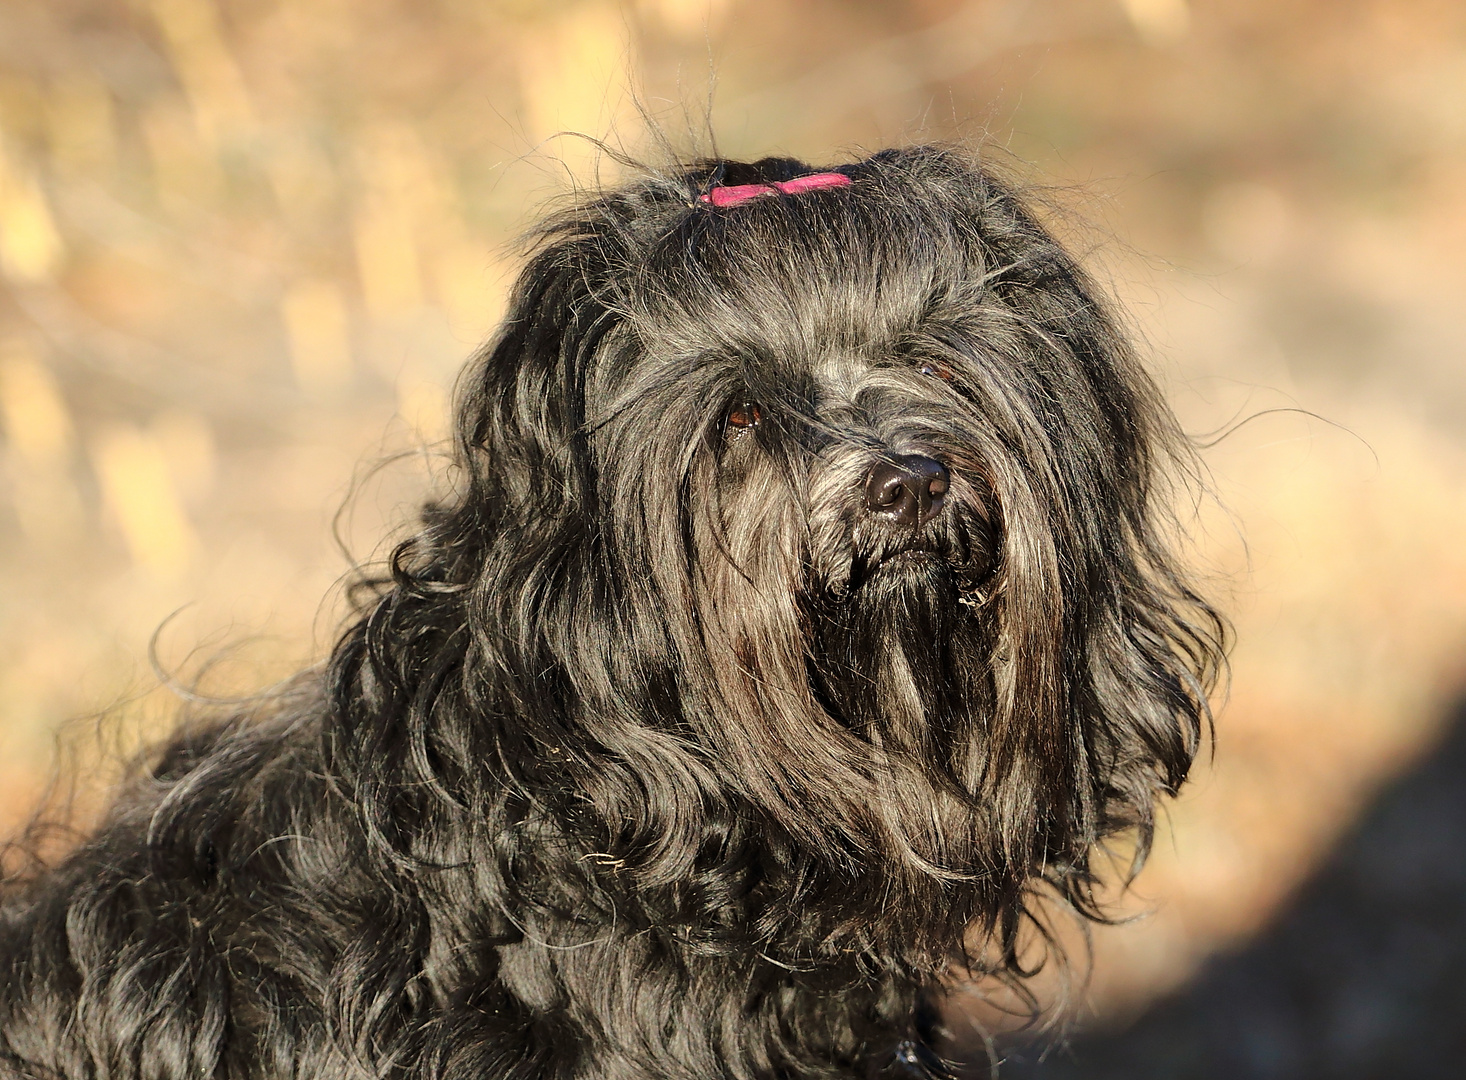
(244, 245)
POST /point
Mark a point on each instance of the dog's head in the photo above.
(822, 523)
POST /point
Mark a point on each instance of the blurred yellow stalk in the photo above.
(37, 423)
(1159, 22)
(39, 435)
(386, 257)
(568, 74)
(138, 486)
(30, 247)
(205, 67)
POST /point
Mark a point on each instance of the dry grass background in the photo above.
(246, 243)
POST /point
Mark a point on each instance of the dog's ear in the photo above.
(521, 404)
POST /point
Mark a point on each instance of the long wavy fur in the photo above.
(656, 753)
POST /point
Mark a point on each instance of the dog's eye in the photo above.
(936, 369)
(744, 416)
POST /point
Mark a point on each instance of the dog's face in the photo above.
(824, 508)
(829, 517)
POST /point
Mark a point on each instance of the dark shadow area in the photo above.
(1362, 976)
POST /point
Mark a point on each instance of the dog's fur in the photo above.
(662, 752)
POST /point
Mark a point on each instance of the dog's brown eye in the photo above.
(936, 369)
(743, 416)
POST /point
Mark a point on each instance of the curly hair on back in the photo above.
(805, 606)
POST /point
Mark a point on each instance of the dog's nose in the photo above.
(906, 490)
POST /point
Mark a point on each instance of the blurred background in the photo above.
(245, 244)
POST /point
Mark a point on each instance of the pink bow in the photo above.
(731, 196)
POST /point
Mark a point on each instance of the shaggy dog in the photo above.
(802, 611)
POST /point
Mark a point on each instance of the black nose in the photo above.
(906, 490)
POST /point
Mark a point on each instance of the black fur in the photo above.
(658, 754)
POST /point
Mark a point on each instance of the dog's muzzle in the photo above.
(906, 490)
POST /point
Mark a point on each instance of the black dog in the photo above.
(802, 611)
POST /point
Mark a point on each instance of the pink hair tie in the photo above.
(731, 196)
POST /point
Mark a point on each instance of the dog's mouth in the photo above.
(909, 557)
(925, 567)
(916, 561)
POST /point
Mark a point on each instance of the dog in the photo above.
(803, 611)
